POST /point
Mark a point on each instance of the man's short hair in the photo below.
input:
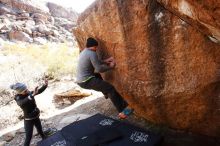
(91, 42)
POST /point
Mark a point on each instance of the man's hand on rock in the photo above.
(109, 60)
(112, 64)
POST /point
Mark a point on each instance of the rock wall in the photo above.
(34, 22)
(167, 68)
(27, 5)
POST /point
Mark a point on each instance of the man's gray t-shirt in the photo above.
(88, 65)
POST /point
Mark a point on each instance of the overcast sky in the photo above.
(77, 5)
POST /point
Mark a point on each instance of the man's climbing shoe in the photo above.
(125, 113)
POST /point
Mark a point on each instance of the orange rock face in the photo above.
(167, 68)
(203, 15)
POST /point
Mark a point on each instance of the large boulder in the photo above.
(27, 31)
(30, 24)
(167, 68)
(43, 29)
(19, 36)
(39, 18)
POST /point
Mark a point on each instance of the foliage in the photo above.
(26, 60)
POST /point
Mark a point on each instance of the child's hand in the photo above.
(46, 82)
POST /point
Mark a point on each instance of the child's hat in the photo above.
(18, 87)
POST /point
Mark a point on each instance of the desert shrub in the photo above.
(53, 60)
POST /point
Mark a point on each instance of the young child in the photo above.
(25, 99)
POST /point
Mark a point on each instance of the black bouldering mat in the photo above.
(134, 136)
(100, 130)
(56, 139)
(87, 127)
(99, 137)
